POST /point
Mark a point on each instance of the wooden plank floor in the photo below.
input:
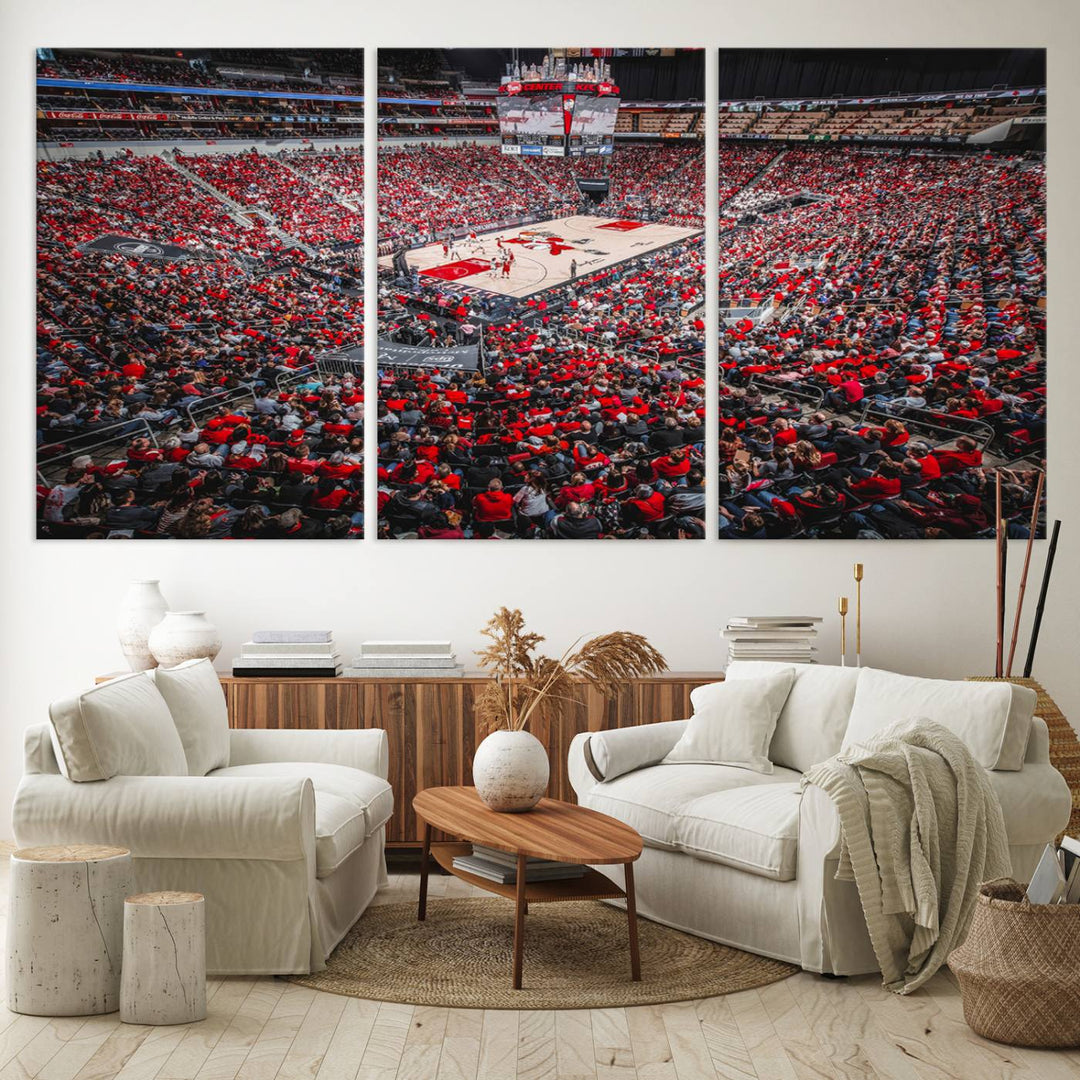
(805, 1028)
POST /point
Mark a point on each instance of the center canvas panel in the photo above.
(541, 294)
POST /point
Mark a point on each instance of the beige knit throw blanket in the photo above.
(921, 829)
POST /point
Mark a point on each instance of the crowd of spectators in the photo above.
(178, 398)
(585, 422)
(341, 70)
(427, 189)
(305, 209)
(883, 344)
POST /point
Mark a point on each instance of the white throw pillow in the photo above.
(812, 722)
(193, 693)
(733, 722)
(121, 728)
(993, 720)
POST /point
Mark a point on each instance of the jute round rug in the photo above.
(576, 957)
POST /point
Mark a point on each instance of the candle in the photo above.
(858, 613)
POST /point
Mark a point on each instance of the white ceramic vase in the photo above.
(184, 635)
(510, 771)
(142, 609)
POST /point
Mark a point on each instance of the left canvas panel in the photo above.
(199, 293)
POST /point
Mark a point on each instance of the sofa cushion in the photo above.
(992, 719)
(119, 728)
(654, 800)
(193, 693)
(366, 792)
(751, 828)
(733, 722)
(811, 725)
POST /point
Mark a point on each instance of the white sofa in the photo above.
(284, 834)
(745, 858)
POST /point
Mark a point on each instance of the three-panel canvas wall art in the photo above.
(545, 363)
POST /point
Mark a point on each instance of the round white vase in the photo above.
(143, 607)
(184, 635)
(510, 771)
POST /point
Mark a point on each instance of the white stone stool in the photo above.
(65, 928)
(164, 979)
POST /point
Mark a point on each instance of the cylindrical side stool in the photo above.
(164, 980)
(65, 928)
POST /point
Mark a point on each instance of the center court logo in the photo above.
(134, 247)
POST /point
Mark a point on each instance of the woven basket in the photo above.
(1019, 969)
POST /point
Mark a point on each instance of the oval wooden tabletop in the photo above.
(553, 830)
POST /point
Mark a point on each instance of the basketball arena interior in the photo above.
(541, 293)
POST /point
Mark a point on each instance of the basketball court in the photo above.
(542, 253)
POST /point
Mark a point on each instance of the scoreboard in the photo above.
(554, 118)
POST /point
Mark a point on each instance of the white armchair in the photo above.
(286, 841)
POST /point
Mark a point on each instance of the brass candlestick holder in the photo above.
(841, 607)
(858, 613)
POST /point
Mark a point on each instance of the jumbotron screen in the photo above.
(594, 116)
(557, 120)
(535, 115)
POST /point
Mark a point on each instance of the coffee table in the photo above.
(551, 830)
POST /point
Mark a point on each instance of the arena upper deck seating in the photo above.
(902, 356)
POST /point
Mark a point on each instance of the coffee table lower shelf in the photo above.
(591, 886)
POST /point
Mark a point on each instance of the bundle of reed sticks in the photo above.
(1003, 667)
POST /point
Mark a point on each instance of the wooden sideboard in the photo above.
(431, 725)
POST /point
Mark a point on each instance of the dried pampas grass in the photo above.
(523, 681)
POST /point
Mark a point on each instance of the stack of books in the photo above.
(291, 653)
(501, 866)
(405, 660)
(787, 639)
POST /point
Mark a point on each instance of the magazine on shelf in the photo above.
(505, 875)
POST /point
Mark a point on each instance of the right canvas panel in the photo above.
(882, 292)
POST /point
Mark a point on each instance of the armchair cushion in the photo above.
(992, 719)
(369, 796)
(193, 693)
(733, 722)
(339, 831)
(122, 727)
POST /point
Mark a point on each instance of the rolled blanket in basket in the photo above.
(920, 830)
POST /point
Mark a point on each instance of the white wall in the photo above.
(928, 605)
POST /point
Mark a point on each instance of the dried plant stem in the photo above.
(525, 681)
